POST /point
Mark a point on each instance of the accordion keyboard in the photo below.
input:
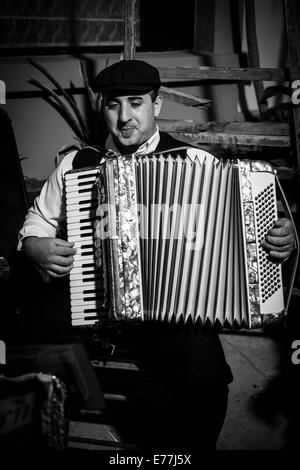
(86, 278)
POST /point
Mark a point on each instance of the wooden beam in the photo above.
(222, 73)
(242, 139)
(265, 134)
(253, 53)
(183, 98)
(248, 128)
(129, 30)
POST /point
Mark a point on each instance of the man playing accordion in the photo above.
(188, 360)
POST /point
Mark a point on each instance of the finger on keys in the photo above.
(65, 247)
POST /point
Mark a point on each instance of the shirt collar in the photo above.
(145, 148)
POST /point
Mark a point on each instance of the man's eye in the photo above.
(112, 105)
(135, 104)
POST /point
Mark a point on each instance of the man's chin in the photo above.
(128, 144)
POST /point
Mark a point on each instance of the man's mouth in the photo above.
(127, 131)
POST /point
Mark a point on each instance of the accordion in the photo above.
(173, 237)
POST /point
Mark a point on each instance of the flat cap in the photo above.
(127, 75)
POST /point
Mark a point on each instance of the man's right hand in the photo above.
(53, 256)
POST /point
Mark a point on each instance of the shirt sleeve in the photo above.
(46, 216)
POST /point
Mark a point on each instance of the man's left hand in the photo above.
(280, 240)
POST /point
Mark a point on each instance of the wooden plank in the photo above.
(183, 98)
(168, 93)
(234, 139)
(240, 139)
(253, 53)
(262, 134)
(222, 73)
(226, 127)
(129, 30)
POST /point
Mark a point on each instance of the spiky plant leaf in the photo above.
(63, 109)
(91, 95)
(66, 95)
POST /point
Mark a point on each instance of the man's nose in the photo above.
(124, 114)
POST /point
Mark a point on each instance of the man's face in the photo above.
(131, 119)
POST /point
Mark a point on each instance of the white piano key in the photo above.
(81, 232)
(83, 322)
(84, 295)
(88, 181)
(76, 216)
(81, 308)
(79, 315)
(75, 199)
(87, 303)
(85, 175)
(81, 282)
(83, 269)
(77, 191)
(80, 208)
(84, 249)
(77, 176)
(90, 191)
(89, 256)
(85, 253)
(88, 253)
(85, 243)
(77, 238)
(79, 261)
(78, 224)
(83, 277)
(91, 285)
(98, 287)
(83, 265)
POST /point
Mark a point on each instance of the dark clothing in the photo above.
(167, 142)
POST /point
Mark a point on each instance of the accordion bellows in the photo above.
(174, 238)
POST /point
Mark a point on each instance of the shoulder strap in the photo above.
(88, 156)
(296, 252)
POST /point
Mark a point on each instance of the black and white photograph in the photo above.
(149, 221)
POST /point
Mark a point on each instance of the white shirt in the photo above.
(45, 217)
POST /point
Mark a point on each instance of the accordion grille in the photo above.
(191, 242)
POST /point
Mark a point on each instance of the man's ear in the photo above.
(157, 105)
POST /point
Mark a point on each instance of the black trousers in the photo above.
(187, 408)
